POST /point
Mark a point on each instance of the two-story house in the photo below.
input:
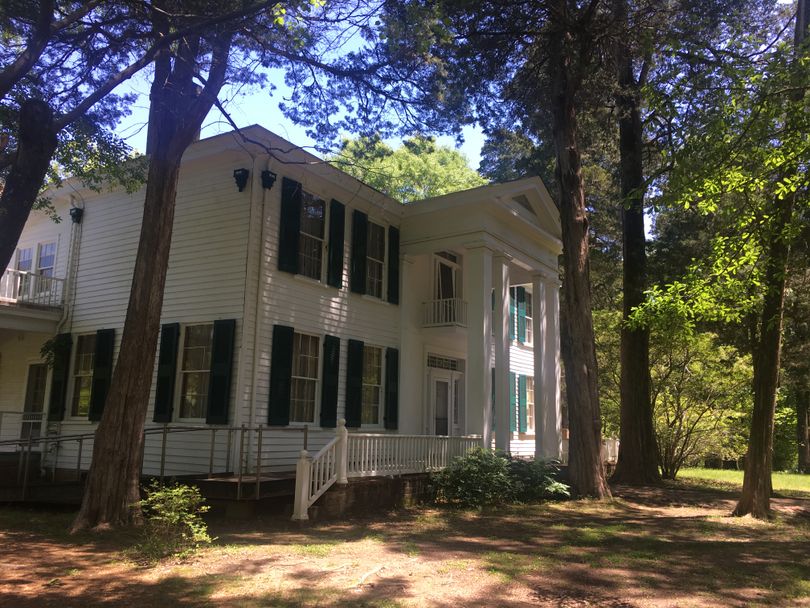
(296, 296)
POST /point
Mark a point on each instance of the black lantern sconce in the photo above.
(268, 179)
(76, 214)
(241, 177)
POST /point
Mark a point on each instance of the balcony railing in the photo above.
(20, 287)
(446, 312)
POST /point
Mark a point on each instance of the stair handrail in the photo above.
(314, 475)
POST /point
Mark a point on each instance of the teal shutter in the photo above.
(354, 384)
(512, 402)
(357, 280)
(60, 377)
(219, 382)
(166, 372)
(289, 225)
(521, 314)
(391, 415)
(278, 406)
(331, 371)
(512, 313)
(393, 265)
(337, 229)
(102, 372)
(522, 404)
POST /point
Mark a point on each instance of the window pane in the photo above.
(302, 400)
(313, 212)
(194, 395)
(305, 378)
(83, 374)
(310, 254)
(376, 241)
(372, 381)
(195, 370)
(25, 259)
(47, 254)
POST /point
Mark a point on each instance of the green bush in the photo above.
(484, 478)
(173, 521)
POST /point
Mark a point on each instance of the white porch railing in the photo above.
(449, 311)
(610, 450)
(20, 287)
(367, 454)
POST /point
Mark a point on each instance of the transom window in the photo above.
(375, 260)
(529, 403)
(25, 259)
(83, 374)
(372, 384)
(310, 243)
(195, 371)
(304, 387)
(45, 263)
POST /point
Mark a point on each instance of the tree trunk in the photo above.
(112, 492)
(803, 429)
(36, 144)
(578, 350)
(756, 492)
(637, 462)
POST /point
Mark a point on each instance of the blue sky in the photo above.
(256, 106)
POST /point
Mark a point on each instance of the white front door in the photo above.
(446, 402)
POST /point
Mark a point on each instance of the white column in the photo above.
(478, 288)
(548, 417)
(500, 275)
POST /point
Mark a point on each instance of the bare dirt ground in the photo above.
(654, 547)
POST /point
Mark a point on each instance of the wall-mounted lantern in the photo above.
(268, 179)
(76, 214)
(241, 177)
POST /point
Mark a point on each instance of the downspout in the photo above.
(72, 265)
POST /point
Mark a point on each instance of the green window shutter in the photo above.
(512, 312)
(393, 265)
(219, 382)
(329, 391)
(278, 407)
(521, 314)
(60, 377)
(289, 225)
(391, 418)
(337, 229)
(522, 404)
(102, 372)
(354, 384)
(512, 402)
(166, 372)
(357, 280)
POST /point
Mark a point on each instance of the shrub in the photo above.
(483, 478)
(173, 520)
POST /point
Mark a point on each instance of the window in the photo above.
(375, 260)
(83, 374)
(304, 387)
(47, 255)
(310, 243)
(529, 404)
(372, 384)
(529, 325)
(195, 371)
(25, 259)
(446, 286)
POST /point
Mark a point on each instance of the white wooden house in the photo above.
(298, 299)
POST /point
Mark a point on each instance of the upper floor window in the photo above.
(195, 371)
(375, 260)
(83, 365)
(47, 256)
(446, 285)
(372, 384)
(311, 239)
(304, 385)
(528, 317)
(25, 259)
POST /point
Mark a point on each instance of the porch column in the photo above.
(548, 420)
(478, 288)
(500, 275)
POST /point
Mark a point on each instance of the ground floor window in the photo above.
(372, 384)
(83, 374)
(304, 387)
(530, 404)
(195, 371)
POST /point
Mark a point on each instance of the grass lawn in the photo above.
(788, 484)
(661, 547)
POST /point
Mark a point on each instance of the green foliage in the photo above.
(173, 521)
(55, 347)
(484, 478)
(418, 169)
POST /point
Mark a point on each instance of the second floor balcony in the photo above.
(18, 287)
(446, 312)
